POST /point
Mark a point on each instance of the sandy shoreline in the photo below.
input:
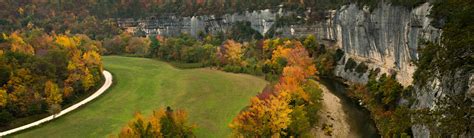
(332, 113)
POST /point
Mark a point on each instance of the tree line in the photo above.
(95, 18)
(41, 73)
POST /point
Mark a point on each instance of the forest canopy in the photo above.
(40, 73)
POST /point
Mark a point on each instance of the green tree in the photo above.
(300, 125)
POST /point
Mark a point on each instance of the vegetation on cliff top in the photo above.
(452, 58)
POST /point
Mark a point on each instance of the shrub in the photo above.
(361, 68)
(5, 117)
(339, 54)
(350, 65)
(232, 68)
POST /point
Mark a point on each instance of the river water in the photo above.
(357, 116)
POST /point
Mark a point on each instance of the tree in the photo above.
(19, 45)
(174, 124)
(325, 64)
(291, 82)
(53, 96)
(315, 102)
(251, 123)
(88, 80)
(138, 46)
(162, 123)
(92, 59)
(231, 53)
(154, 46)
(279, 112)
(20, 94)
(34, 65)
(264, 118)
(66, 42)
(3, 98)
(311, 45)
(139, 127)
(300, 124)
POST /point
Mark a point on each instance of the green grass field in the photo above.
(211, 98)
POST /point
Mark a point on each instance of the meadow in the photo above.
(212, 99)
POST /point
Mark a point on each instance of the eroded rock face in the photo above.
(386, 37)
(172, 25)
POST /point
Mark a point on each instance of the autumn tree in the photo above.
(311, 45)
(53, 96)
(38, 69)
(162, 123)
(138, 46)
(3, 98)
(231, 53)
(20, 94)
(92, 59)
(264, 117)
(300, 125)
(141, 127)
(17, 44)
(88, 80)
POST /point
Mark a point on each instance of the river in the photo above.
(357, 116)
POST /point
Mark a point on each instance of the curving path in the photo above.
(107, 84)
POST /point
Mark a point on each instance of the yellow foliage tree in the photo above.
(250, 123)
(280, 52)
(3, 98)
(88, 80)
(279, 112)
(267, 117)
(92, 59)
(19, 45)
(156, 125)
(141, 127)
(19, 94)
(67, 42)
(54, 97)
(231, 52)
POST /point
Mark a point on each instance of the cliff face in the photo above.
(386, 38)
(173, 26)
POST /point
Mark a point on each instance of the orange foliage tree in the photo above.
(271, 115)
